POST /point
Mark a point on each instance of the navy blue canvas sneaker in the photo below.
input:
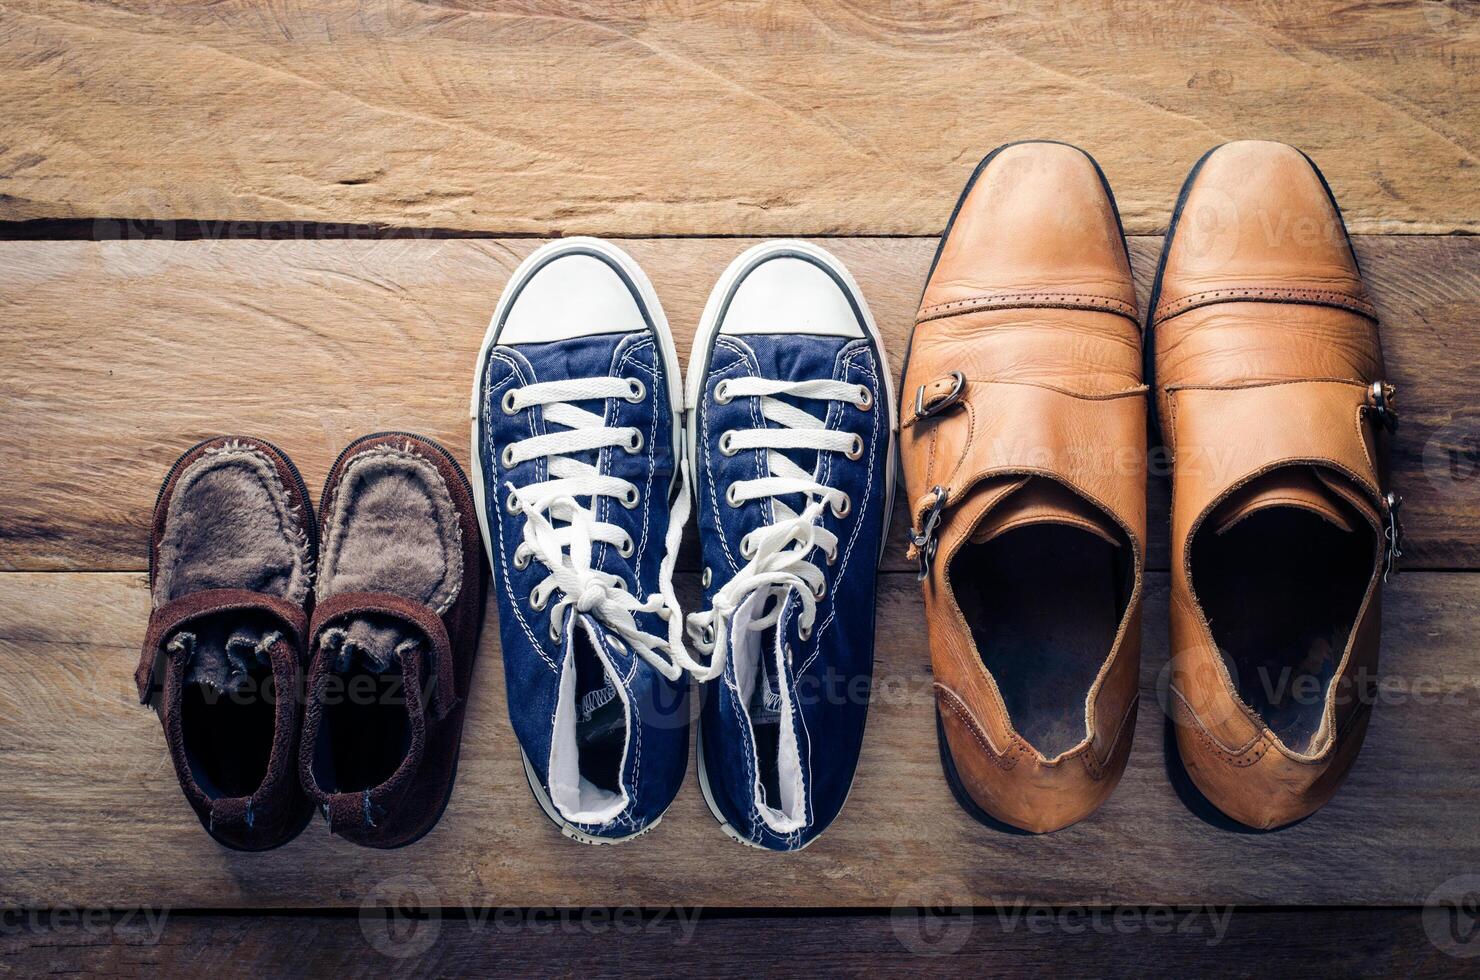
(791, 442)
(582, 498)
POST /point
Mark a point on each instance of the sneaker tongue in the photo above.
(599, 711)
(1037, 501)
(1301, 487)
(754, 655)
(765, 700)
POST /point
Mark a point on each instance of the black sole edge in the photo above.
(958, 790)
(1148, 336)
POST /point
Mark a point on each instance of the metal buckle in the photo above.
(1392, 536)
(1380, 399)
(925, 540)
(951, 397)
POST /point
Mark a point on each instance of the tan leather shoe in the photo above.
(1023, 446)
(1270, 393)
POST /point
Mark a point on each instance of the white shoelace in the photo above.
(566, 550)
(777, 553)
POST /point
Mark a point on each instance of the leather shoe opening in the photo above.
(1044, 594)
(1280, 571)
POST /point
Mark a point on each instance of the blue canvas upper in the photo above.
(534, 661)
(827, 672)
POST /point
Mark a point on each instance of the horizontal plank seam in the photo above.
(194, 229)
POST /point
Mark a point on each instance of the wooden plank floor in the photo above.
(374, 138)
(752, 118)
(93, 816)
(117, 355)
(1010, 942)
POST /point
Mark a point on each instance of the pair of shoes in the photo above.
(1024, 455)
(378, 604)
(589, 455)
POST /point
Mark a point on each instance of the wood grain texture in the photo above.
(964, 943)
(93, 817)
(116, 356)
(828, 117)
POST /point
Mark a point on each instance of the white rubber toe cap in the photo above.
(786, 294)
(575, 294)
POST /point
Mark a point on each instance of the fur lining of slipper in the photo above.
(394, 528)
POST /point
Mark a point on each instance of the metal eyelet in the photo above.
(508, 402)
(511, 503)
(855, 451)
(521, 559)
(730, 497)
(631, 498)
(832, 557)
(626, 548)
(538, 602)
(747, 549)
(508, 456)
(707, 577)
(727, 443)
(820, 592)
(636, 390)
(707, 635)
(722, 393)
(865, 399)
(843, 509)
(803, 632)
(634, 444)
(555, 631)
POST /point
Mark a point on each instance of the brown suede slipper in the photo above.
(231, 564)
(394, 634)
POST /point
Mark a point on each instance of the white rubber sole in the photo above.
(694, 384)
(649, 297)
